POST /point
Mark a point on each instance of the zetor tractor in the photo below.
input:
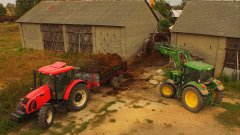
(57, 87)
(192, 80)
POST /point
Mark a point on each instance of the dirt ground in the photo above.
(137, 109)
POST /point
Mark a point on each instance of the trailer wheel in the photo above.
(192, 99)
(78, 98)
(121, 78)
(217, 97)
(114, 82)
(45, 116)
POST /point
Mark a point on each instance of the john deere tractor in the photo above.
(193, 81)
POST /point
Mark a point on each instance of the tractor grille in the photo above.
(23, 109)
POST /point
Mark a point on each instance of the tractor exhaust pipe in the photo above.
(34, 79)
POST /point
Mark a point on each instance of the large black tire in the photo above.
(192, 100)
(114, 82)
(46, 116)
(167, 90)
(217, 97)
(78, 98)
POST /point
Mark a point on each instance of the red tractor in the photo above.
(61, 86)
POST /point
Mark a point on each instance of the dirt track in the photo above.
(139, 109)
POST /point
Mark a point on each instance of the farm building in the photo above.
(94, 26)
(212, 30)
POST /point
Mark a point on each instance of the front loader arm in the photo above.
(174, 53)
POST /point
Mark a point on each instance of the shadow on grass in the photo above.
(230, 117)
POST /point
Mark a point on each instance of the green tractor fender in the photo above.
(217, 84)
(200, 87)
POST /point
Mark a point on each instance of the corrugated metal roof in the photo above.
(217, 18)
(85, 12)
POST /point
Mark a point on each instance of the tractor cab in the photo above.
(197, 71)
(57, 77)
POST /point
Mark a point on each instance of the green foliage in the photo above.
(22, 6)
(230, 82)
(230, 117)
(3, 10)
(8, 102)
(83, 127)
(163, 25)
(105, 107)
(164, 9)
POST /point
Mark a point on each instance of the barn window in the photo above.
(52, 37)
(79, 38)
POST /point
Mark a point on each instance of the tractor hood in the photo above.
(38, 91)
(36, 99)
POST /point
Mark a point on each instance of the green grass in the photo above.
(83, 127)
(33, 129)
(8, 102)
(105, 107)
(231, 85)
(68, 128)
(57, 125)
(231, 117)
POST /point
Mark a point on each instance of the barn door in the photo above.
(52, 37)
(233, 46)
(79, 38)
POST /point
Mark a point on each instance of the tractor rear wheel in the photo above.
(114, 82)
(78, 98)
(217, 97)
(167, 90)
(192, 99)
(46, 116)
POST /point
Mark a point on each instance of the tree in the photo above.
(166, 11)
(22, 6)
(10, 9)
(3, 10)
(164, 8)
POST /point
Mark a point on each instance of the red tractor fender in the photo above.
(70, 87)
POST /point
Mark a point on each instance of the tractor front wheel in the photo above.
(217, 97)
(78, 98)
(167, 90)
(46, 116)
(192, 99)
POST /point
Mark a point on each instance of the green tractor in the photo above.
(193, 81)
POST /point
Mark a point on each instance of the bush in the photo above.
(9, 97)
(163, 25)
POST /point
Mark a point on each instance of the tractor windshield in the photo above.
(46, 79)
(206, 75)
